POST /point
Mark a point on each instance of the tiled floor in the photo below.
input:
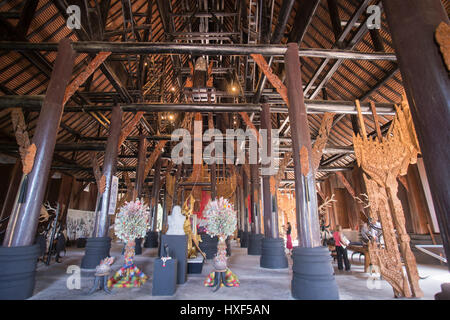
(256, 283)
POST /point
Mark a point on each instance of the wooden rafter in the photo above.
(83, 76)
(273, 78)
(129, 127)
(155, 154)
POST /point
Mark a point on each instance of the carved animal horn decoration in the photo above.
(443, 39)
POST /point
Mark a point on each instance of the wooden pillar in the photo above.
(240, 196)
(247, 210)
(212, 167)
(11, 193)
(155, 193)
(254, 199)
(164, 218)
(175, 187)
(109, 169)
(305, 184)
(22, 225)
(425, 77)
(140, 171)
(65, 189)
(269, 199)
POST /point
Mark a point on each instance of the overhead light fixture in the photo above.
(172, 89)
(171, 117)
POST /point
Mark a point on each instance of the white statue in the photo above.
(176, 222)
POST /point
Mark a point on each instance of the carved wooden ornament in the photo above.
(304, 160)
(443, 39)
(382, 162)
(321, 140)
(273, 185)
(102, 184)
(29, 159)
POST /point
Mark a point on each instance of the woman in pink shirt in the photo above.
(341, 249)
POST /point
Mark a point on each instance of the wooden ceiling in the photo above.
(160, 78)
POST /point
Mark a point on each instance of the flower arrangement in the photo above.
(220, 218)
(132, 221)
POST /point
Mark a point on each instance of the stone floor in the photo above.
(256, 283)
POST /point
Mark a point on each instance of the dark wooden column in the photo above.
(11, 193)
(155, 192)
(109, 169)
(212, 166)
(22, 225)
(254, 199)
(269, 199)
(245, 201)
(305, 184)
(140, 166)
(164, 218)
(311, 269)
(412, 25)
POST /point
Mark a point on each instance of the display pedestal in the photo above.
(195, 265)
(81, 242)
(177, 250)
(254, 244)
(244, 239)
(445, 292)
(18, 269)
(273, 255)
(138, 247)
(313, 274)
(165, 277)
(208, 245)
(96, 250)
(151, 240)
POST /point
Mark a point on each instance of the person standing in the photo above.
(288, 237)
(341, 243)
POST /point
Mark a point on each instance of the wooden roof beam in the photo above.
(303, 17)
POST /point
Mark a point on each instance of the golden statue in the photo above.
(193, 237)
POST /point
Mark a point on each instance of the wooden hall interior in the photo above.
(349, 100)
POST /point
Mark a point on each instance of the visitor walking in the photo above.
(288, 237)
(341, 243)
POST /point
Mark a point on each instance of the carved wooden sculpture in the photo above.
(383, 161)
(322, 138)
(27, 151)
